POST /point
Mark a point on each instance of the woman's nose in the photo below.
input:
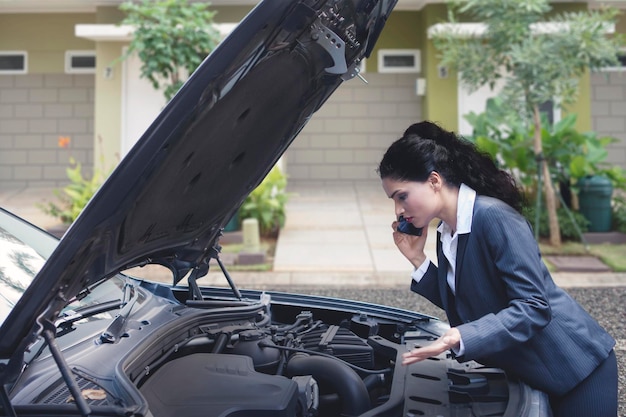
(399, 210)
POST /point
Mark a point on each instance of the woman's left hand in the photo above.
(451, 339)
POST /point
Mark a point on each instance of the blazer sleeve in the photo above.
(428, 286)
(510, 254)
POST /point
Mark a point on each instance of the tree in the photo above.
(538, 60)
(171, 38)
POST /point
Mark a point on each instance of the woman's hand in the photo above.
(450, 340)
(412, 247)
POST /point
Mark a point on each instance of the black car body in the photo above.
(80, 337)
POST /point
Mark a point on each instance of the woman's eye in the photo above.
(402, 197)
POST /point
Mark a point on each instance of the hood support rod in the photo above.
(49, 335)
(231, 283)
(6, 402)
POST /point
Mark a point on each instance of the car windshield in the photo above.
(19, 263)
(23, 251)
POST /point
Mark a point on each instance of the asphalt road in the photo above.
(607, 305)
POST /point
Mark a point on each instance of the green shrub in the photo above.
(619, 213)
(74, 196)
(568, 230)
(266, 203)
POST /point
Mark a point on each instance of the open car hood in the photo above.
(214, 142)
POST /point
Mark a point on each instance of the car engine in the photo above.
(347, 364)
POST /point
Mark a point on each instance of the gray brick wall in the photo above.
(35, 110)
(346, 138)
(608, 111)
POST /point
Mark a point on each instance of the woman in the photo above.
(504, 308)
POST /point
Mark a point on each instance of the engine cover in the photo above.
(207, 384)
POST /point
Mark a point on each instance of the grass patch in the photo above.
(268, 245)
(613, 255)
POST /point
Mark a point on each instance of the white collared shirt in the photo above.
(450, 241)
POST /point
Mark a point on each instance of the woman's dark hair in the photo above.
(425, 147)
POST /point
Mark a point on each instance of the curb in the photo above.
(383, 279)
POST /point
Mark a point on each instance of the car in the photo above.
(82, 334)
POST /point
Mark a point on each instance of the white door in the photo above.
(141, 103)
(474, 102)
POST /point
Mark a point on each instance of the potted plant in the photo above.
(266, 203)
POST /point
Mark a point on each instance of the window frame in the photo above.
(69, 54)
(24, 70)
(383, 53)
(620, 68)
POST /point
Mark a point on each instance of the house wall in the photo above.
(442, 106)
(441, 100)
(346, 138)
(108, 98)
(35, 110)
(608, 112)
(45, 37)
(38, 107)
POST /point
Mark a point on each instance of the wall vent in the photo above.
(80, 62)
(398, 60)
(13, 62)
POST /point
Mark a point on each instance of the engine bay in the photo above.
(265, 354)
(303, 368)
(280, 360)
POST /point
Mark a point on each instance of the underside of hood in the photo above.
(214, 142)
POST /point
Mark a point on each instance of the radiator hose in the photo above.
(344, 380)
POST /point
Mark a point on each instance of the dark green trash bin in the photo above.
(233, 223)
(595, 202)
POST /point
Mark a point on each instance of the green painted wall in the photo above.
(107, 106)
(45, 37)
(108, 14)
(408, 29)
(54, 35)
(400, 32)
(108, 91)
(230, 14)
(582, 106)
(441, 100)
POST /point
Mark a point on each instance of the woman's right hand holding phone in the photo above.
(410, 245)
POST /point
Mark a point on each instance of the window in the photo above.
(13, 62)
(552, 112)
(80, 62)
(621, 66)
(398, 60)
(362, 66)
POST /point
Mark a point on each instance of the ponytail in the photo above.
(425, 147)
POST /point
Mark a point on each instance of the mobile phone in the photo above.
(406, 227)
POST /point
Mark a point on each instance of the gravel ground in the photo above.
(605, 304)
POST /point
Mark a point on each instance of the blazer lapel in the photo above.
(442, 270)
(460, 254)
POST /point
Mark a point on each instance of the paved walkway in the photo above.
(334, 235)
(341, 235)
(340, 228)
(24, 202)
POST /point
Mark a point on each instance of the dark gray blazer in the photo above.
(509, 311)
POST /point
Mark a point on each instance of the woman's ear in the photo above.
(435, 180)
